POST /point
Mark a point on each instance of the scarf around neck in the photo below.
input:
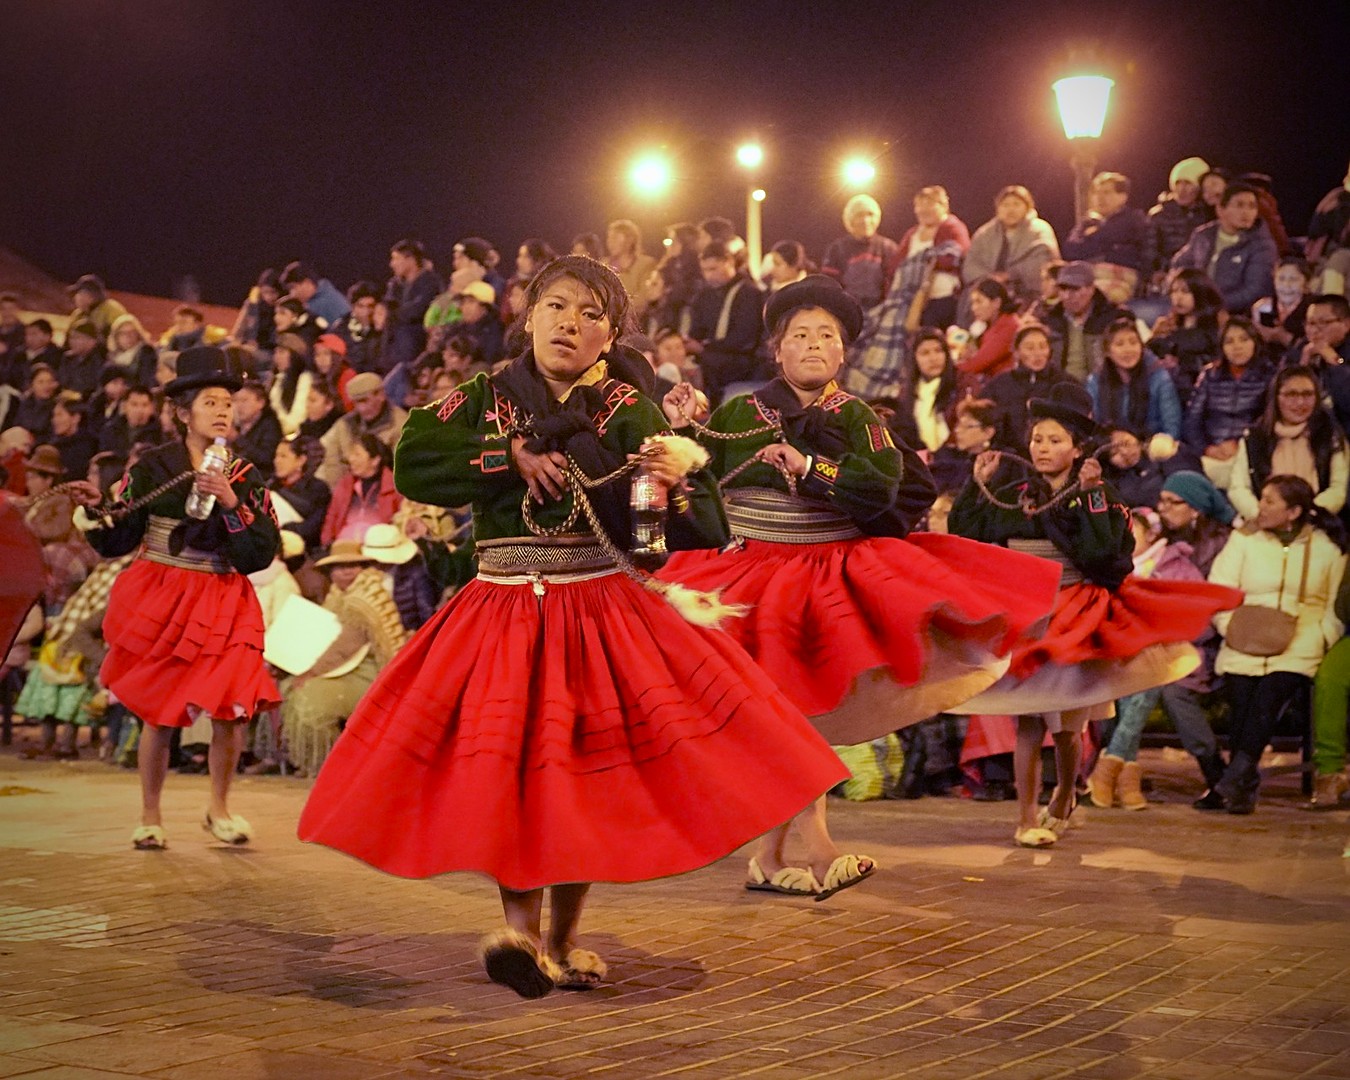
(1293, 454)
(806, 424)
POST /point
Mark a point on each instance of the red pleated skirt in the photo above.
(183, 639)
(588, 734)
(870, 634)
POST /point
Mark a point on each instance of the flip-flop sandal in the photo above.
(514, 961)
(845, 872)
(149, 838)
(789, 881)
(230, 830)
(1035, 837)
(581, 970)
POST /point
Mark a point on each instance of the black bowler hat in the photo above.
(202, 366)
(1071, 405)
(815, 291)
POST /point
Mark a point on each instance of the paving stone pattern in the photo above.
(1158, 944)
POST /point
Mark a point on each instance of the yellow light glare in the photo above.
(650, 174)
(750, 155)
(1082, 104)
(858, 171)
(757, 194)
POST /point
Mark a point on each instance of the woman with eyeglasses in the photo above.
(1296, 436)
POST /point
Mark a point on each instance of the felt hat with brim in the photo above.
(46, 459)
(815, 291)
(52, 518)
(1069, 404)
(202, 366)
(343, 552)
(387, 544)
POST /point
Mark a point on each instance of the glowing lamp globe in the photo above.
(758, 194)
(650, 175)
(1082, 104)
(750, 155)
(859, 172)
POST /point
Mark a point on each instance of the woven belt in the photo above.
(1044, 549)
(764, 514)
(514, 556)
(156, 549)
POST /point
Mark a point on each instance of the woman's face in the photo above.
(983, 307)
(268, 294)
(525, 262)
(287, 462)
(781, 272)
(1183, 300)
(812, 350)
(126, 338)
(1296, 400)
(284, 319)
(618, 243)
(281, 358)
(323, 359)
(1212, 189)
(317, 405)
(1289, 282)
(570, 329)
(1125, 350)
(1033, 352)
(930, 358)
(929, 212)
(1011, 211)
(362, 463)
(344, 574)
(63, 421)
(1273, 513)
(44, 385)
(971, 435)
(1176, 512)
(211, 414)
(1052, 448)
(1238, 348)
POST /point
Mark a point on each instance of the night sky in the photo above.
(148, 139)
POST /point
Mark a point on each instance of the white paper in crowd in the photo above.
(300, 635)
(286, 513)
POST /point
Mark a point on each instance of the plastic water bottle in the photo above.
(214, 460)
(648, 502)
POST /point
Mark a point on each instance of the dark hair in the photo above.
(363, 290)
(137, 388)
(1338, 303)
(983, 410)
(716, 249)
(253, 386)
(589, 243)
(410, 247)
(1236, 188)
(1030, 328)
(76, 408)
(292, 305)
(1298, 493)
(307, 447)
(666, 332)
(465, 345)
(1118, 181)
(1322, 427)
(1298, 262)
(718, 229)
(1016, 191)
(947, 381)
(372, 445)
(111, 465)
(1240, 322)
(190, 311)
(791, 252)
(538, 250)
(994, 289)
(269, 278)
(603, 282)
(297, 272)
(1113, 382)
(8, 298)
(41, 324)
(290, 378)
(1208, 299)
(685, 233)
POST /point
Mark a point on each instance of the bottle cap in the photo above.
(220, 440)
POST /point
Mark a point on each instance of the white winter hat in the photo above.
(1191, 168)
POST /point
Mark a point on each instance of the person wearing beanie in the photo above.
(1196, 521)
(863, 260)
(1178, 212)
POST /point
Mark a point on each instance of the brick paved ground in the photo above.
(1160, 944)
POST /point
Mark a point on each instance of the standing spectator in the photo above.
(724, 330)
(864, 260)
(132, 349)
(254, 325)
(939, 230)
(1178, 212)
(1297, 436)
(366, 495)
(78, 368)
(1078, 319)
(680, 272)
(258, 426)
(1115, 238)
(1229, 397)
(134, 423)
(1289, 563)
(93, 304)
(76, 445)
(319, 295)
(1279, 316)
(1236, 251)
(372, 413)
(1013, 246)
(291, 380)
(1187, 337)
(1132, 388)
(990, 353)
(623, 244)
(188, 330)
(294, 464)
(412, 288)
(34, 413)
(1030, 379)
(1329, 237)
(16, 369)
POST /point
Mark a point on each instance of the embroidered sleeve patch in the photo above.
(879, 437)
(825, 469)
(620, 394)
(836, 401)
(450, 404)
(491, 461)
(1096, 501)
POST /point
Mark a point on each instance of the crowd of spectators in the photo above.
(1212, 344)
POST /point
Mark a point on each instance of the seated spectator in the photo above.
(1078, 320)
(1329, 238)
(1269, 210)
(106, 404)
(785, 263)
(93, 304)
(1013, 246)
(11, 329)
(864, 260)
(1212, 186)
(330, 366)
(409, 295)
(131, 349)
(588, 244)
(357, 331)
(316, 702)
(1115, 238)
(1030, 379)
(672, 354)
(187, 331)
(1325, 348)
(80, 364)
(939, 230)
(34, 412)
(258, 427)
(725, 324)
(990, 352)
(623, 245)
(1279, 317)
(1187, 337)
(325, 304)
(1138, 476)
(927, 411)
(1131, 388)
(290, 317)
(978, 422)
(295, 462)
(1039, 309)
(43, 470)
(1236, 251)
(480, 321)
(135, 422)
(1296, 436)
(1229, 397)
(462, 358)
(255, 325)
(16, 369)
(323, 409)
(1178, 212)
(366, 495)
(531, 256)
(291, 380)
(16, 445)
(406, 576)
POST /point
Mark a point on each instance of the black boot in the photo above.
(1211, 767)
(910, 784)
(1240, 783)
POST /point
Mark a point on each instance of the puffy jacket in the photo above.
(1251, 469)
(1223, 407)
(1242, 274)
(1172, 225)
(1164, 407)
(1100, 315)
(1123, 239)
(1012, 390)
(1269, 573)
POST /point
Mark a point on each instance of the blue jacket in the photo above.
(1164, 407)
(1125, 239)
(1222, 407)
(1243, 271)
(327, 303)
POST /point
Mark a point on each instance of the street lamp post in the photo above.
(1082, 103)
(751, 156)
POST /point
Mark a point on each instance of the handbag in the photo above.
(1262, 631)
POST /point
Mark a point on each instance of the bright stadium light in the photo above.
(650, 175)
(859, 171)
(751, 155)
(1082, 105)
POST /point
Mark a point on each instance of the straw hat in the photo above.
(343, 552)
(388, 544)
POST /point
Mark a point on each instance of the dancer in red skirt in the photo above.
(1111, 634)
(557, 723)
(184, 629)
(865, 627)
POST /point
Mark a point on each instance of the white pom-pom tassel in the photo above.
(683, 452)
(699, 608)
(1162, 447)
